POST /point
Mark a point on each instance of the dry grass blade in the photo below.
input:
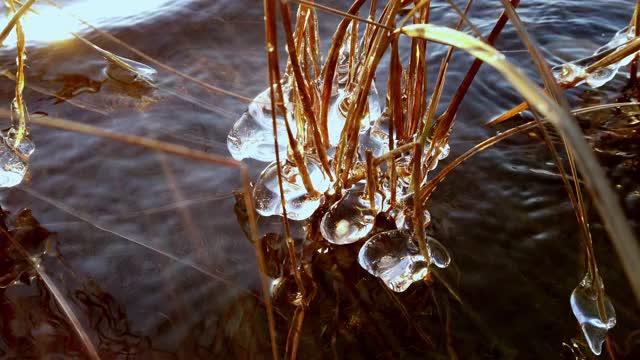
(347, 15)
(595, 179)
(576, 198)
(330, 68)
(446, 120)
(14, 21)
(615, 56)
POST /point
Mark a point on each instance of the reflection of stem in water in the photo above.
(64, 305)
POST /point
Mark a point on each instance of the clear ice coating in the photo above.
(394, 257)
(252, 134)
(351, 218)
(584, 305)
(339, 106)
(25, 148)
(568, 72)
(12, 167)
(128, 71)
(300, 205)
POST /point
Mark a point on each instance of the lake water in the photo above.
(503, 215)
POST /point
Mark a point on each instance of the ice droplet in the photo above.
(584, 305)
(12, 167)
(252, 134)
(567, 73)
(300, 205)
(351, 218)
(394, 257)
(128, 71)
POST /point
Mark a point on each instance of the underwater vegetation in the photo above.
(353, 138)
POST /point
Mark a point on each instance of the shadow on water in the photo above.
(101, 206)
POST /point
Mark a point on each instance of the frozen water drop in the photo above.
(444, 152)
(252, 134)
(394, 257)
(567, 73)
(584, 305)
(128, 71)
(300, 205)
(438, 254)
(351, 218)
(12, 167)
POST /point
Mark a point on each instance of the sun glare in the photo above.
(48, 24)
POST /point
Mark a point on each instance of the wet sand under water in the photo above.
(503, 215)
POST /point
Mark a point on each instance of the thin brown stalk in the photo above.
(395, 91)
(348, 15)
(345, 153)
(18, 106)
(302, 91)
(465, 19)
(446, 121)
(293, 337)
(371, 180)
(577, 202)
(330, 68)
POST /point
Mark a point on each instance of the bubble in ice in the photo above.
(394, 257)
(252, 134)
(128, 71)
(12, 167)
(584, 305)
(351, 218)
(300, 204)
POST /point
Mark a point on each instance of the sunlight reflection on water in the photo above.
(47, 24)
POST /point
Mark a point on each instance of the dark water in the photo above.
(503, 215)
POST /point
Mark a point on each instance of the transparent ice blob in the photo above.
(394, 257)
(252, 134)
(351, 218)
(584, 305)
(299, 203)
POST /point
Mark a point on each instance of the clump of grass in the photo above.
(417, 133)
